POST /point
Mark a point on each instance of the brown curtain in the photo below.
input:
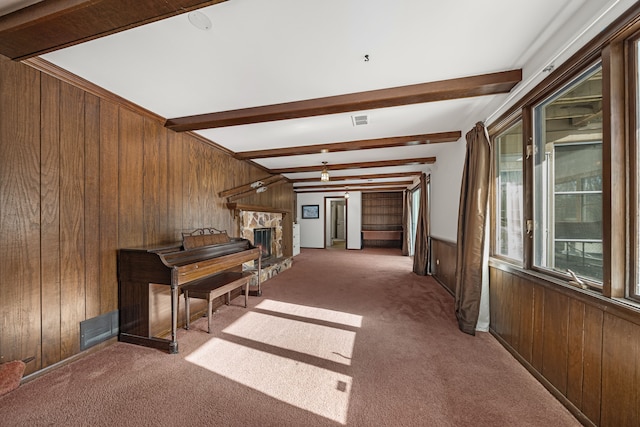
(471, 228)
(421, 252)
(406, 223)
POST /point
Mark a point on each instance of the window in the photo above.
(579, 181)
(509, 189)
(567, 179)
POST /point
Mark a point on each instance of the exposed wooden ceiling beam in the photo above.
(343, 166)
(364, 190)
(370, 176)
(54, 24)
(394, 141)
(365, 184)
(465, 87)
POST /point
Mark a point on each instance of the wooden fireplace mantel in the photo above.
(254, 208)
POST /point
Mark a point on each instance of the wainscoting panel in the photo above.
(80, 177)
(443, 263)
(578, 344)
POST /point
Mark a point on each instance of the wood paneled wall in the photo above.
(581, 346)
(443, 263)
(81, 177)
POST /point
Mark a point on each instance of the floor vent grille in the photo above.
(98, 329)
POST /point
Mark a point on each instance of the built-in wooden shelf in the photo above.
(255, 208)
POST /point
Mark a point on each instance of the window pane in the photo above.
(578, 216)
(509, 188)
(568, 178)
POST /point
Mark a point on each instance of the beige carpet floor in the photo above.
(342, 338)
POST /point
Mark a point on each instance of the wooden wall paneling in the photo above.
(499, 311)
(620, 373)
(72, 194)
(193, 174)
(505, 307)
(130, 192)
(443, 261)
(210, 210)
(575, 354)
(235, 172)
(20, 159)
(514, 312)
(525, 301)
(494, 298)
(538, 327)
(592, 363)
(165, 230)
(175, 166)
(152, 186)
(555, 340)
(216, 209)
(50, 219)
(209, 194)
(92, 205)
(109, 196)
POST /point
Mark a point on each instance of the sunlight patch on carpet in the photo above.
(317, 390)
(320, 341)
(339, 317)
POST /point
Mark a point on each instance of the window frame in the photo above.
(546, 99)
(504, 126)
(632, 56)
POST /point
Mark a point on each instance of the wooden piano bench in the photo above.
(213, 287)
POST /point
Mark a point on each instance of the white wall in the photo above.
(354, 220)
(312, 230)
(446, 177)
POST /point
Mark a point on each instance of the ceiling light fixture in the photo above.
(324, 175)
(346, 193)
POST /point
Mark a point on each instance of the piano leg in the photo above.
(173, 345)
(209, 314)
(259, 293)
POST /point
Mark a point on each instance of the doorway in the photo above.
(336, 227)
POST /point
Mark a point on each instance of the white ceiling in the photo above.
(259, 53)
(8, 6)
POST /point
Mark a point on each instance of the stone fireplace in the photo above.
(267, 223)
(265, 229)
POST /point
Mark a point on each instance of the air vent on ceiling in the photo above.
(360, 120)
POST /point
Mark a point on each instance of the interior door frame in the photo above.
(329, 218)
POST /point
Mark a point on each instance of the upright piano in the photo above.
(150, 278)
